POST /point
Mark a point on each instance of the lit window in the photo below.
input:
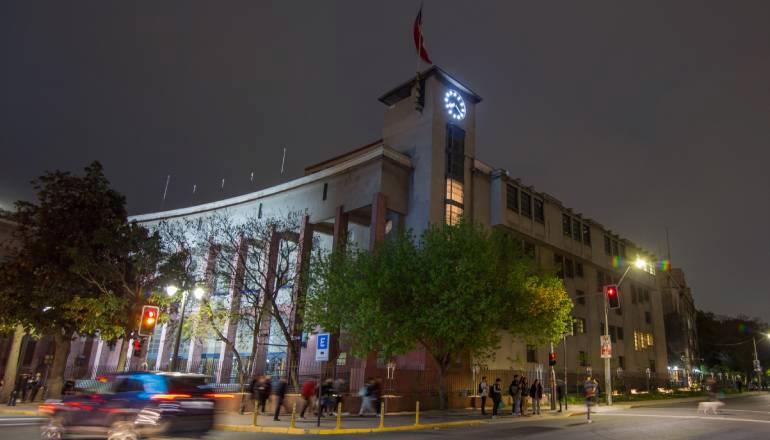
(580, 326)
(453, 214)
(454, 191)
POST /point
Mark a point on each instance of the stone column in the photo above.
(379, 218)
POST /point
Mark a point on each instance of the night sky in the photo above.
(642, 117)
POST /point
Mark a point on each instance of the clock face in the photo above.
(455, 105)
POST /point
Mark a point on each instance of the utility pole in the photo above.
(607, 378)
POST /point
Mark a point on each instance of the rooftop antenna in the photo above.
(252, 177)
(223, 184)
(283, 161)
(165, 191)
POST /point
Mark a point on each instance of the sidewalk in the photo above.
(352, 424)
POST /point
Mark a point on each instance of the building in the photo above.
(424, 170)
(681, 331)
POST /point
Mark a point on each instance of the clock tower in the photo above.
(433, 120)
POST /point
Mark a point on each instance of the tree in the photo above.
(40, 289)
(256, 258)
(726, 342)
(452, 292)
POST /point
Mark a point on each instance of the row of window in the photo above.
(613, 248)
(642, 340)
(572, 227)
(565, 267)
(522, 203)
(639, 295)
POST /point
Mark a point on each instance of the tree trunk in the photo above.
(61, 352)
(123, 342)
(11, 365)
(442, 397)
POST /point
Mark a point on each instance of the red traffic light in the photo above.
(612, 295)
(149, 320)
(552, 358)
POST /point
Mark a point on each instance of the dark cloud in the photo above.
(641, 116)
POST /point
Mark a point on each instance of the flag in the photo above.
(419, 43)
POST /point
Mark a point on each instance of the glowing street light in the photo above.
(171, 290)
(640, 263)
(198, 292)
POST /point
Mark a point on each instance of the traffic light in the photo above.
(149, 319)
(613, 296)
(137, 351)
(552, 358)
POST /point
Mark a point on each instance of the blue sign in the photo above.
(322, 347)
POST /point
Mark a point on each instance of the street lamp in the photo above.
(198, 293)
(640, 263)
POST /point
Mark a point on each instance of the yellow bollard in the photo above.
(254, 419)
(293, 423)
(339, 416)
(417, 413)
(382, 414)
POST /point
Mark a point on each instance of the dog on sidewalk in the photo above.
(705, 407)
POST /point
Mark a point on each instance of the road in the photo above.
(742, 418)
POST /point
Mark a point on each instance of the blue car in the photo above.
(134, 405)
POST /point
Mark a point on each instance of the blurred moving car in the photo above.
(133, 405)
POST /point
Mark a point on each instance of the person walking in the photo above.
(590, 388)
(524, 385)
(515, 392)
(264, 387)
(496, 393)
(560, 393)
(536, 393)
(280, 395)
(338, 389)
(366, 397)
(483, 393)
(308, 392)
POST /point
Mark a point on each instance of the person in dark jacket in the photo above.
(560, 393)
(261, 391)
(280, 395)
(496, 393)
(515, 392)
(536, 393)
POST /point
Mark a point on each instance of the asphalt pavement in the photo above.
(741, 418)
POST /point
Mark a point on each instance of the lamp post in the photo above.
(171, 291)
(640, 264)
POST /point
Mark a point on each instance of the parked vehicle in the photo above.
(134, 405)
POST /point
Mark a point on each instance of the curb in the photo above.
(326, 431)
(21, 412)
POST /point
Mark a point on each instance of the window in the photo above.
(613, 337)
(526, 205)
(569, 268)
(620, 333)
(614, 248)
(599, 280)
(580, 326)
(607, 245)
(581, 297)
(326, 190)
(576, 230)
(642, 340)
(623, 251)
(130, 385)
(647, 318)
(566, 225)
(539, 211)
(634, 294)
(454, 174)
(558, 262)
(531, 353)
(529, 249)
(512, 198)
(622, 362)
(579, 269)
(582, 359)
(586, 234)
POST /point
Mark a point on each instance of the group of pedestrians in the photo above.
(25, 388)
(520, 391)
(324, 398)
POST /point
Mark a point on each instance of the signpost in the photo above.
(321, 355)
(606, 345)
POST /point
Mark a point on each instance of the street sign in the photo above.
(757, 367)
(606, 345)
(322, 347)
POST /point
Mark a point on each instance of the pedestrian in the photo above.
(483, 393)
(739, 385)
(366, 397)
(496, 393)
(377, 395)
(308, 392)
(590, 388)
(515, 392)
(326, 392)
(560, 393)
(536, 393)
(264, 387)
(338, 389)
(524, 385)
(280, 395)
